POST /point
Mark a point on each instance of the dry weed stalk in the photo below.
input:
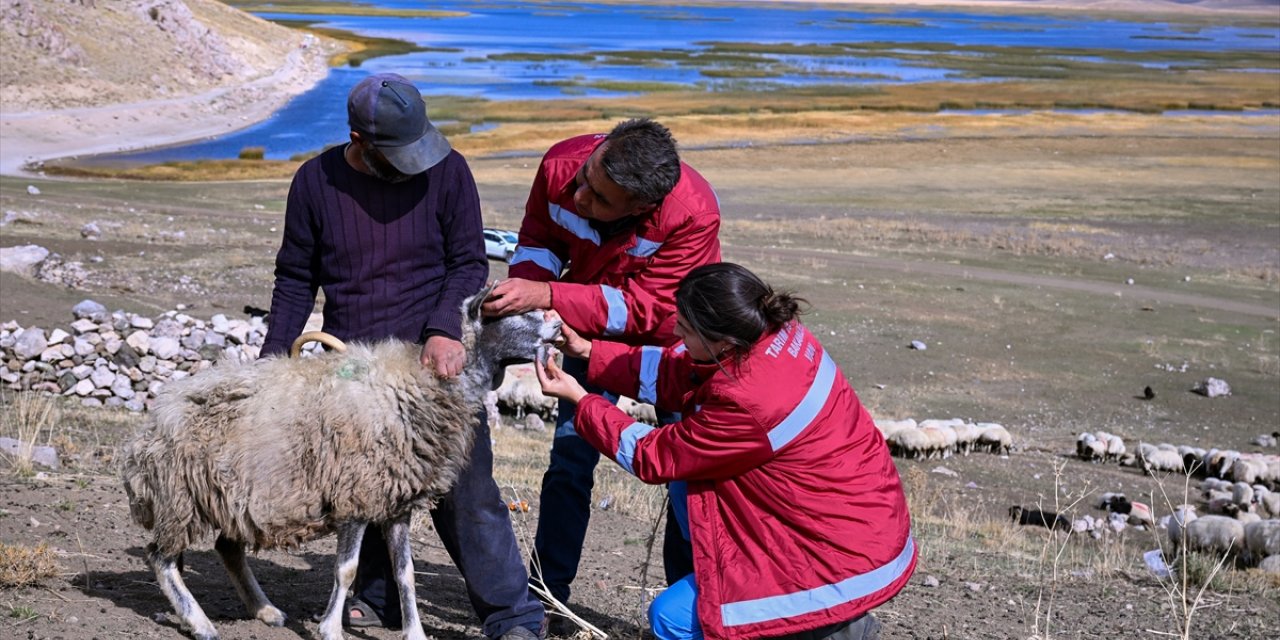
(553, 605)
(30, 415)
(1178, 584)
(22, 566)
(1058, 543)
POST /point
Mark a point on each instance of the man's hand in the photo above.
(516, 295)
(444, 356)
(555, 382)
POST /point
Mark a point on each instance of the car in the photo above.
(499, 244)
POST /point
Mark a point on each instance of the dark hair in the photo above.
(641, 157)
(725, 301)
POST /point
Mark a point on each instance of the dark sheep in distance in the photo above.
(1035, 517)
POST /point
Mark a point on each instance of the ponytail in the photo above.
(725, 301)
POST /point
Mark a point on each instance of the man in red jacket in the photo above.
(612, 224)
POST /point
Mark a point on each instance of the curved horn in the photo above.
(316, 336)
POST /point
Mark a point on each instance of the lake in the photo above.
(549, 51)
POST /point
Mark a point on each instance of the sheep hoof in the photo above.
(272, 616)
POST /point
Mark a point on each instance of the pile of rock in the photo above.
(121, 359)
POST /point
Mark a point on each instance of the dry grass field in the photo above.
(1006, 243)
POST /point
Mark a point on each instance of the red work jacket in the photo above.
(622, 287)
(796, 512)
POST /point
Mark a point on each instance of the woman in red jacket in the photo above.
(795, 511)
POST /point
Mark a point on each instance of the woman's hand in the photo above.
(555, 382)
(574, 345)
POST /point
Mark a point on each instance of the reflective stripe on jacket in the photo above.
(797, 514)
(621, 287)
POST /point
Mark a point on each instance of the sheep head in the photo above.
(491, 342)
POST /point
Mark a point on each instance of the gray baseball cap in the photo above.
(388, 110)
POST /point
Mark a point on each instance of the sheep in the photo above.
(1035, 517)
(1158, 458)
(909, 443)
(521, 394)
(1115, 503)
(966, 437)
(1242, 495)
(641, 411)
(889, 427)
(1089, 448)
(283, 451)
(994, 437)
(1270, 564)
(1262, 539)
(1268, 501)
(1177, 525)
(1215, 534)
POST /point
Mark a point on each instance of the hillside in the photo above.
(79, 53)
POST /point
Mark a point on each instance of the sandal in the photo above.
(366, 619)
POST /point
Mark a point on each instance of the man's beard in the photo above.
(380, 167)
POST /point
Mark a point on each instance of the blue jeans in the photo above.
(475, 527)
(565, 503)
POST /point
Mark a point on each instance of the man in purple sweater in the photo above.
(389, 227)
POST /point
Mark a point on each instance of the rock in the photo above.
(57, 336)
(122, 387)
(220, 323)
(90, 310)
(33, 190)
(135, 405)
(1212, 388)
(83, 347)
(83, 326)
(945, 471)
(973, 586)
(141, 322)
(930, 581)
(90, 231)
(84, 387)
(140, 341)
(102, 377)
(167, 328)
(30, 344)
(23, 259)
(1265, 440)
(918, 346)
(164, 347)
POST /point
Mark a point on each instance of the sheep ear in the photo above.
(473, 308)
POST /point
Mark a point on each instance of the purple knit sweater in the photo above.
(394, 260)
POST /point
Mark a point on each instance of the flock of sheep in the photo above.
(930, 439)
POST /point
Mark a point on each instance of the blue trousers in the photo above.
(565, 503)
(475, 527)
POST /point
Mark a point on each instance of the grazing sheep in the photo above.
(1268, 501)
(1215, 534)
(1177, 525)
(1035, 517)
(640, 411)
(1262, 539)
(521, 394)
(994, 438)
(1090, 448)
(1159, 458)
(889, 427)
(909, 443)
(1242, 495)
(279, 452)
(1115, 503)
(1270, 564)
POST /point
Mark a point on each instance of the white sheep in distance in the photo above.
(282, 451)
(521, 394)
(641, 411)
(1262, 539)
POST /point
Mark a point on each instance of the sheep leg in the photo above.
(396, 533)
(346, 560)
(255, 601)
(193, 617)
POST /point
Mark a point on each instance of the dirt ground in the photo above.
(1008, 254)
